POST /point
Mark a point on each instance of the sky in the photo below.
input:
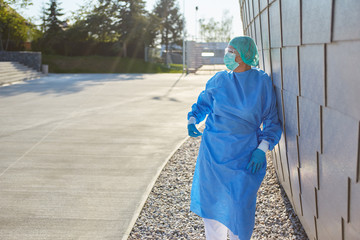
(206, 9)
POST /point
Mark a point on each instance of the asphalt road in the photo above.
(79, 153)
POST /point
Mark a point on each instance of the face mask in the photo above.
(229, 60)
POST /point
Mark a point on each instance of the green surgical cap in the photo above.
(247, 49)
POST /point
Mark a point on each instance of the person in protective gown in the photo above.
(231, 163)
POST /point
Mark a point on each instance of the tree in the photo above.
(53, 37)
(131, 24)
(212, 31)
(122, 22)
(13, 29)
(53, 22)
(43, 18)
(109, 27)
(100, 22)
(171, 22)
(151, 29)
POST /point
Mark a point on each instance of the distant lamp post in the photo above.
(196, 22)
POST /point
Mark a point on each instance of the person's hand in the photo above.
(192, 131)
(257, 161)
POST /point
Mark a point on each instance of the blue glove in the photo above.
(193, 132)
(257, 161)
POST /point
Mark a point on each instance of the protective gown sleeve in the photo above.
(203, 106)
(271, 125)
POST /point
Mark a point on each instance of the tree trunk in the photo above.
(7, 42)
(1, 43)
(124, 49)
(167, 46)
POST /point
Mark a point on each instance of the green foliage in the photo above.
(99, 23)
(131, 23)
(122, 25)
(52, 40)
(20, 3)
(14, 30)
(108, 27)
(171, 21)
(212, 31)
(102, 64)
(53, 22)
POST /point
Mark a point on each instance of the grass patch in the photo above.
(103, 64)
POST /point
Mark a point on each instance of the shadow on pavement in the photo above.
(166, 95)
(65, 83)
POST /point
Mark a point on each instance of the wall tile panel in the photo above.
(312, 72)
(336, 163)
(290, 14)
(343, 82)
(275, 160)
(308, 204)
(290, 103)
(352, 229)
(346, 20)
(316, 21)
(309, 140)
(256, 7)
(251, 9)
(290, 69)
(246, 14)
(265, 30)
(295, 186)
(243, 16)
(325, 229)
(284, 160)
(276, 67)
(351, 232)
(275, 25)
(267, 62)
(291, 126)
(279, 103)
(258, 33)
(263, 4)
(253, 31)
(261, 59)
(279, 163)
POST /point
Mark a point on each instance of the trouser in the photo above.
(215, 230)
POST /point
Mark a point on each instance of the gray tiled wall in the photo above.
(311, 50)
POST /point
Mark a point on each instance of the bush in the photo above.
(104, 64)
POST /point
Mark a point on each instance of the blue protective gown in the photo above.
(236, 105)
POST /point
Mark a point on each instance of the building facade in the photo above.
(311, 49)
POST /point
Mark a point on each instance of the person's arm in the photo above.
(200, 109)
(271, 132)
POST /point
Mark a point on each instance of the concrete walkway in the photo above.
(79, 153)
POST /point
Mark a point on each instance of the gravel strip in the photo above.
(166, 213)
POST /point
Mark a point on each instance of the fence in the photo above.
(197, 54)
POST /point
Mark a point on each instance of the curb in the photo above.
(150, 187)
(148, 191)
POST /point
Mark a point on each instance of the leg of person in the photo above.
(214, 230)
(233, 236)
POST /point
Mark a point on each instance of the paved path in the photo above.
(79, 153)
